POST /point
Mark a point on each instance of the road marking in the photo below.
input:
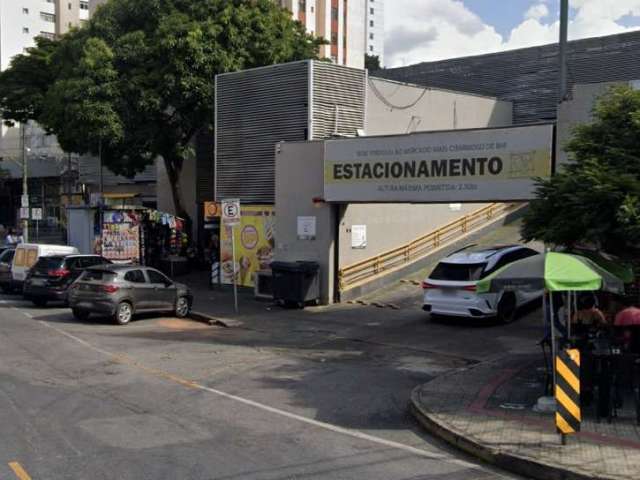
(19, 471)
(124, 359)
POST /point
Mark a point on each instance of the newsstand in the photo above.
(296, 283)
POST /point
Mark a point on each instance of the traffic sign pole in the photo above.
(231, 218)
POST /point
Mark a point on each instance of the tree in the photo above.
(372, 62)
(596, 198)
(138, 79)
(24, 84)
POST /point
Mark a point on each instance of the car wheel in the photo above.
(124, 313)
(81, 315)
(182, 307)
(39, 302)
(507, 308)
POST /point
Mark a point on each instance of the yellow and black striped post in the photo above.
(567, 391)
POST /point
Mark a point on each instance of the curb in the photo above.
(504, 460)
(209, 320)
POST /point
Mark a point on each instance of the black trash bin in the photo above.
(296, 283)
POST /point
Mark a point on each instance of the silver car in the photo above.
(450, 290)
(120, 291)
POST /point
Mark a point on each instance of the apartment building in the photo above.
(340, 22)
(21, 21)
(374, 24)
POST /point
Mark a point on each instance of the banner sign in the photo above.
(254, 244)
(484, 165)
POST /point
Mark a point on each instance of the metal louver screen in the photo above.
(255, 109)
(205, 166)
(339, 95)
(529, 77)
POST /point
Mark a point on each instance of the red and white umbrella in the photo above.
(628, 317)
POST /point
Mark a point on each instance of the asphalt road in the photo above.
(171, 399)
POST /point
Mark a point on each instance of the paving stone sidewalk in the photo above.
(487, 410)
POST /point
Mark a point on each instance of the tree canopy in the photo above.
(596, 198)
(137, 80)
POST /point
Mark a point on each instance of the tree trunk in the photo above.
(173, 173)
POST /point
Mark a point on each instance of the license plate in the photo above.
(38, 282)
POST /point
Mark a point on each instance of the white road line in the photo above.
(326, 426)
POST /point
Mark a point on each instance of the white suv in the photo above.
(451, 288)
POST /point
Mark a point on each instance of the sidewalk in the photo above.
(486, 410)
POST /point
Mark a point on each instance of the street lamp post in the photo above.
(25, 180)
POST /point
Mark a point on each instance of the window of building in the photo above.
(312, 9)
(371, 48)
(49, 35)
(25, 29)
(48, 17)
(84, 5)
(372, 11)
(371, 23)
(334, 38)
(25, 11)
(70, 6)
(371, 36)
(335, 15)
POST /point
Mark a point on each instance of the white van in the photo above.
(27, 254)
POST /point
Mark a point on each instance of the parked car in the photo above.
(6, 277)
(121, 291)
(50, 278)
(26, 256)
(450, 289)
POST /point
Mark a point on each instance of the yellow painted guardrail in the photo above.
(358, 273)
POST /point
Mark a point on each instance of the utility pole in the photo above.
(25, 180)
(564, 33)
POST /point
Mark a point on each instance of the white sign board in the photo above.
(36, 214)
(24, 213)
(24, 201)
(358, 236)
(483, 165)
(306, 228)
(231, 212)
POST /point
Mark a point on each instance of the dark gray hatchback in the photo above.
(120, 291)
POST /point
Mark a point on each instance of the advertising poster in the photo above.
(254, 244)
(121, 236)
(482, 165)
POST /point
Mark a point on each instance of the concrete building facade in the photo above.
(21, 21)
(340, 22)
(374, 25)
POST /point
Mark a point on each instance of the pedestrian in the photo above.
(11, 240)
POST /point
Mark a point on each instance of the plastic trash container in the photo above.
(296, 283)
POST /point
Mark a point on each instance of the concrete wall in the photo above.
(299, 179)
(392, 225)
(394, 107)
(575, 111)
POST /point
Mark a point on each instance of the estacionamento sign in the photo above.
(497, 164)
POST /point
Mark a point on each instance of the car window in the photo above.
(508, 258)
(7, 257)
(86, 262)
(48, 263)
(135, 276)
(458, 272)
(73, 263)
(98, 275)
(157, 277)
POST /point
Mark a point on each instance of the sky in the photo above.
(427, 30)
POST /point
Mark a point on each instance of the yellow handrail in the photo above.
(350, 276)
